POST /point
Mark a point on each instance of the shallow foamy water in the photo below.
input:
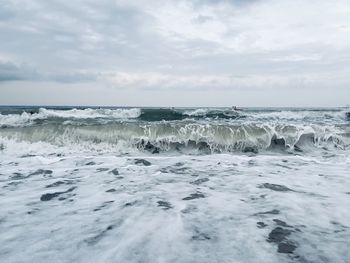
(210, 208)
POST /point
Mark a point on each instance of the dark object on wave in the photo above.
(347, 114)
(234, 108)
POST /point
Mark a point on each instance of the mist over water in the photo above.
(174, 184)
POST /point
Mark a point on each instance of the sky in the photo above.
(175, 53)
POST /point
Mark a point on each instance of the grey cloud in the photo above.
(72, 77)
(179, 45)
(5, 12)
(12, 72)
(217, 2)
(82, 32)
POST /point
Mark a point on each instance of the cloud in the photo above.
(297, 58)
(200, 19)
(10, 71)
(183, 83)
(176, 45)
(258, 27)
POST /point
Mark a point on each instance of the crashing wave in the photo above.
(189, 136)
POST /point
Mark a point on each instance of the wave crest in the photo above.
(186, 137)
(61, 116)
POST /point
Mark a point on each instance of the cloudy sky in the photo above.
(175, 53)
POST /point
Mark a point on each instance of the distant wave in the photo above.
(61, 116)
(297, 115)
(103, 116)
(91, 113)
(91, 116)
(172, 114)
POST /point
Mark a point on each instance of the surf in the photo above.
(184, 136)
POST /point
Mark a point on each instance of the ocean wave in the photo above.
(91, 116)
(16, 120)
(103, 116)
(196, 112)
(91, 113)
(297, 115)
(190, 136)
(61, 116)
(167, 114)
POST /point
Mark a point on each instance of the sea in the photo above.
(114, 184)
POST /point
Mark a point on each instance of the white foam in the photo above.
(15, 120)
(302, 115)
(221, 226)
(196, 112)
(90, 113)
(26, 119)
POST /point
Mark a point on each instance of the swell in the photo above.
(188, 137)
(20, 117)
(29, 117)
(172, 114)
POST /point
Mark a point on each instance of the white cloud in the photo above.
(297, 58)
(183, 83)
(260, 26)
(177, 45)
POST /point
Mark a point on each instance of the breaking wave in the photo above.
(190, 137)
(156, 130)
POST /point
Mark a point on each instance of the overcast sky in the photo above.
(175, 53)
